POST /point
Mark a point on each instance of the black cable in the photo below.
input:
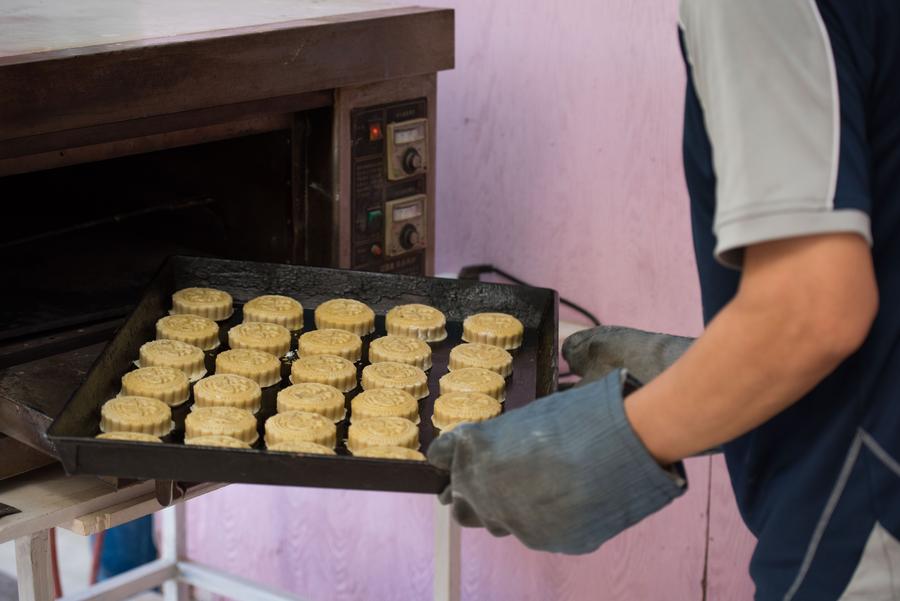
(473, 272)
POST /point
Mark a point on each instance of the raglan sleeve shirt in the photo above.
(785, 119)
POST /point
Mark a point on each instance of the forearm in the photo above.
(763, 352)
(744, 370)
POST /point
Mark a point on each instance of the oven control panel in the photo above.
(407, 149)
(405, 225)
(389, 187)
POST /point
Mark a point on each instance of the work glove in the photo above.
(562, 474)
(594, 353)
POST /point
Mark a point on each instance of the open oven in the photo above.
(301, 137)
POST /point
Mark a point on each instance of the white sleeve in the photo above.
(765, 74)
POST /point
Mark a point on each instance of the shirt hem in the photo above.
(735, 236)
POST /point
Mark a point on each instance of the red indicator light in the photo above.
(375, 132)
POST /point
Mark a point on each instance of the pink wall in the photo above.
(559, 160)
(560, 154)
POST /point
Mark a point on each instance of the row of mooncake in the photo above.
(413, 320)
(387, 408)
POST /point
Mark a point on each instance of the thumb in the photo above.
(441, 450)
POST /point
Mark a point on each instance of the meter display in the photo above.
(408, 135)
(407, 212)
(407, 148)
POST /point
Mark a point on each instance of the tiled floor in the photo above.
(74, 566)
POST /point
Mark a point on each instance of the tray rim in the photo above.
(68, 447)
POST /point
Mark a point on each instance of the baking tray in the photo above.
(534, 375)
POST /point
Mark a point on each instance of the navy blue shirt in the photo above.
(792, 128)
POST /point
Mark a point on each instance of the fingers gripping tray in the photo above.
(73, 432)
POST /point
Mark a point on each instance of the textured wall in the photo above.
(559, 160)
(560, 154)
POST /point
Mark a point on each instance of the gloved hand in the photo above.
(564, 473)
(595, 352)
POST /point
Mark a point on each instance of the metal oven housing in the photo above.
(301, 137)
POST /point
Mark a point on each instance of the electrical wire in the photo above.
(473, 272)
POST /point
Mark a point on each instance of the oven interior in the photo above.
(79, 243)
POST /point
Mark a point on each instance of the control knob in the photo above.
(409, 237)
(412, 161)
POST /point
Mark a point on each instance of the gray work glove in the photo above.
(594, 353)
(563, 474)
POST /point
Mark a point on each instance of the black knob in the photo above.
(412, 161)
(409, 236)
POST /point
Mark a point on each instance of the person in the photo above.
(125, 547)
(792, 160)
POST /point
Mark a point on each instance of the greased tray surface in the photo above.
(534, 375)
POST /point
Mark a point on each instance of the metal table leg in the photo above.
(174, 549)
(447, 554)
(33, 567)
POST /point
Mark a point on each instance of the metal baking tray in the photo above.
(73, 431)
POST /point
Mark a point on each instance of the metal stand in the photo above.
(447, 554)
(88, 505)
(172, 571)
(33, 567)
(174, 550)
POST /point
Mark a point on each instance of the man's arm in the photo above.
(571, 470)
(804, 305)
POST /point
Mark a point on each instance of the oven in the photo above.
(302, 135)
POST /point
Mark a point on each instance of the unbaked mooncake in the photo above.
(192, 329)
(313, 397)
(300, 426)
(346, 314)
(455, 407)
(173, 353)
(474, 379)
(382, 432)
(396, 375)
(267, 337)
(486, 356)
(228, 390)
(450, 427)
(300, 446)
(274, 308)
(205, 302)
(384, 402)
(221, 421)
(417, 321)
(325, 369)
(217, 440)
(261, 367)
(498, 329)
(330, 341)
(401, 349)
(132, 436)
(169, 385)
(136, 414)
(391, 453)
